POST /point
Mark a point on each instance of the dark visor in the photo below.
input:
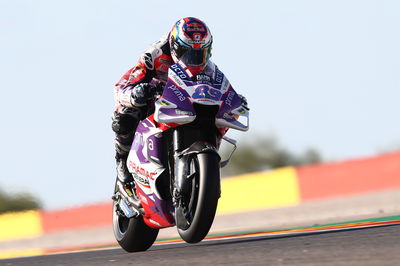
(195, 57)
(192, 56)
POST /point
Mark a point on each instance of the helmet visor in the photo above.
(196, 57)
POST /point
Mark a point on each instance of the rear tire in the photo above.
(207, 198)
(132, 234)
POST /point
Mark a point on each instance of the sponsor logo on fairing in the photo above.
(227, 116)
(141, 179)
(179, 72)
(177, 80)
(180, 112)
(202, 77)
(177, 92)
(141, 171)
(219, 77)
(229, 98)
(207, 92)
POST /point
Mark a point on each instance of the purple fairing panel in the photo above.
(178, 96)
(154, 150)
(230, 101)
(139, 141)
(176, 112)
(164, 208)
(157, 212)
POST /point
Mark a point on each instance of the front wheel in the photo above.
(132, 234)
(204, 197)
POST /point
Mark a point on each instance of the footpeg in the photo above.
(130, 206)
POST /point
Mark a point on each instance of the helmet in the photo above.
(190, 41)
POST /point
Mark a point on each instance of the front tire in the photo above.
(208, 193)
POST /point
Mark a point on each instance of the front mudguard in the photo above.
(182, 159)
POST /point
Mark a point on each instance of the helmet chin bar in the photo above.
(186, 68)
(191, 70)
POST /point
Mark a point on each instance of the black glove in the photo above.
(244, 101)
(159, 88)
(141, 94)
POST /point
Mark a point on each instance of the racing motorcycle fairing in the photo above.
(157, 212)
(144, 163)
(183, 100)
(181, 93)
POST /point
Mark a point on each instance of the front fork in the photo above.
(185, 147)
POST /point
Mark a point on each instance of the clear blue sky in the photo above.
(321, 74)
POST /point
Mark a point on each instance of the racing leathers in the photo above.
(134, 97)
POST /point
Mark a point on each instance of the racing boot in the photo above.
(125, 195)
(123, 174)
(122, 151)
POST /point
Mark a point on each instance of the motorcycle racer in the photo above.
(189, 42)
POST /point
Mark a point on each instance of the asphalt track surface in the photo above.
(379, 245)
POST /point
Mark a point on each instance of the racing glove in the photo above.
(244, 101)
(141, 94)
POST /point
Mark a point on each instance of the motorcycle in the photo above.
(175, 163)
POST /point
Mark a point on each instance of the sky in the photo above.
(322, 74)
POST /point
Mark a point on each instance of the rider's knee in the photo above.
(125, 122)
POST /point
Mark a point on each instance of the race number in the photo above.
(207, 92)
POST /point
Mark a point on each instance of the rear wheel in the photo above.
(202, 203)
(132, 234)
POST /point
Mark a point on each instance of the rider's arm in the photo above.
(131, 82)
(141, 74)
